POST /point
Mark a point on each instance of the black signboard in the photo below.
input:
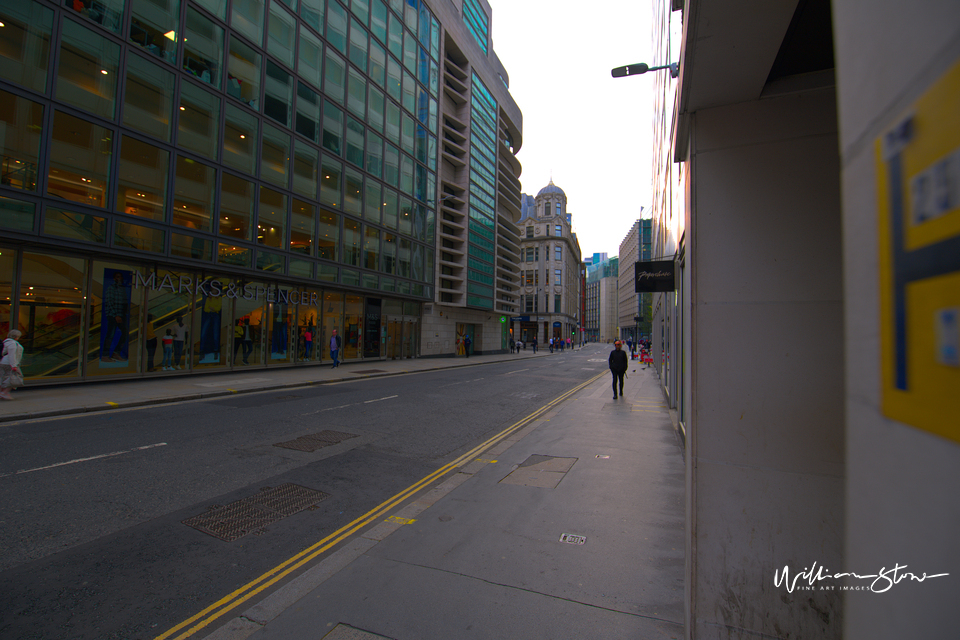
(654, 276)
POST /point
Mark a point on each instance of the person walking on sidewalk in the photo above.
(11, 376)
(467, 343)
(618, 366)
(335, 343)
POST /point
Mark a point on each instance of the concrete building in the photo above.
(810, 346)
(550, 269)
(602, 301)
(636, 247)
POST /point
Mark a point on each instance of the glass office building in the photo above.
(193, 185)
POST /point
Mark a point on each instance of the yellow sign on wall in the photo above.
(918, 181)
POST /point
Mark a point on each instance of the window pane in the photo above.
(302, 269)
(278, 94)
(301, 227)
(17, 214)
(354, 142)
(371, 248)
(378, 20)
(192, 247)
(271, 218)
(374, 154)
(391, 165)
(409, 93)
(327, 273)
(87, 74)
(393, 79)
(375, 113)
(358, 44)
(361, 9)
(352, 241)
(311, 57)
(25, 45)
(332, 128)
(142, 183)
(409, 52)
(406, 173)
(233, 255)
(308, 112)
(281, 35)
(378, 63)
(328, 235)
(275, 156)
(334, 76)
(389, 253)
(243, 73)
(138, 237)
(76, 226)
(247, 19)
(395, 37)
(337, 26)
(199, 121)
(21, 125)
(194, 187)
(240, 139)
(406, 216)
(392, 129)
(148, 98)
(306, 167)
(236, 207)
(406, 134)
(216, 7)
(330, 171)
(267, 261)
(353, 193)
(403, 259)
(154, 25)
(371, 202)
(390, 205)
(79, 160)
(357, 95)
(311, 11)
(202, 48)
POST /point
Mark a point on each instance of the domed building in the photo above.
(549, 269)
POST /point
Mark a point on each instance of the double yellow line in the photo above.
(226, 604)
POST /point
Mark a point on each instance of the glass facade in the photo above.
(477, 21)
(265, 142)
(483, 195)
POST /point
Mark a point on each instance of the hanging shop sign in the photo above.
(657, 276)
(215, 288)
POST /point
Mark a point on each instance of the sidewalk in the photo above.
(45, 401)
(572, 527)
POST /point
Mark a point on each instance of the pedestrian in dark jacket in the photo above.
(618, 366)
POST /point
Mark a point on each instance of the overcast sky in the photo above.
(591, 132)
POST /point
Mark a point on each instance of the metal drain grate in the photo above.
(239, 518)
(314, 441)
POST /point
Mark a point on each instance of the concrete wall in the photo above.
(439, 333)
(765, 439)
(902, 504)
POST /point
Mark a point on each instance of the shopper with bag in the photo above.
(11, 376)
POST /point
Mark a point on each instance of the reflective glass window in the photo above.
(410, 52)
(330, 172)
(301, 227)
(371, 202)
(75, 226)
(409, 93)
(394, 79)
(411, 14)
(357, 94)
(275, 156)
(142, 179)
(375, 112)
(199, 121)
(202, 48)
(234, 255)
(311, 12)
(127, 235)
(236, 206)
(406, 133)
(306, 167)
(332, 128)
(392, 128)
(374, 154)
(328, 235)
(327, 273)
(434, 77)
(302, 269)
(389, 264)
(378, 63)
(186, 246)
(434, 38)
(88, 70)
(334, 76)
(423, 66)
(79, 160)
(148, 98)
(243, 73)
(21, 126)
(247, 19)
(395, 37)
(406, 173)
(403, 258)
(310, 61)
(281, 35)
(352, 242)
(406, 216)
(240, 139)
(25, 43)
(17, 214)
(391, 165)
(194, 187)
(216, 7)
(278, 94)
(371, 248)
(269, 261)
(354, 142)
(154, 25)
(351, 277)
(271, 218)
(353, 192)
(390, 206)
(358, 45)
(337, 26)
(423, 28)
(308, 112)
(378, 20)
(421, 144)
(361, 9)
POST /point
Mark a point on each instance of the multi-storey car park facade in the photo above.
(247, 176)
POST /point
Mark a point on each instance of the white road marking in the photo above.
(517, 371)
(105, 455)
(379, 399)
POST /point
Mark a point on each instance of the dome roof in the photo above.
(551, 188)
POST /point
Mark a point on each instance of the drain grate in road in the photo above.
(314, 441)
(371, 371)
(250, 515)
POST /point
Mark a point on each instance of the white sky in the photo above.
(590, 131)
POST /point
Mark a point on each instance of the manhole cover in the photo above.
(247, 515)
(570, 538)
(314, 441)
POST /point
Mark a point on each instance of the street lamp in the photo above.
(643, 67)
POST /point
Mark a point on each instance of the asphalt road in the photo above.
(92, 543)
